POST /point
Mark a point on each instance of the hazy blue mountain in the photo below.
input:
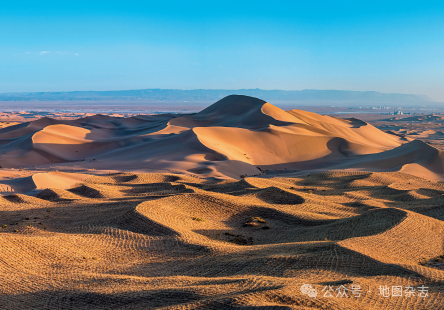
(212, 95)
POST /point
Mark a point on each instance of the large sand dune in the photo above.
(236, 136)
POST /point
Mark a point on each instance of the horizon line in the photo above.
(220, 89)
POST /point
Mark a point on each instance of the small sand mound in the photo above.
(48, 194)
(131, 178)
(137, 222)
(16, 198)
(370, 223)
(430, 193)
(86, 191)
(400, 196)
(276, 195)
(229, 187)
(416, 236)
(159, 189)
(114, 178)
(53, 194)
(339, 179)
(124, 178)
(171, 178)
(20, 200)
(278, 218)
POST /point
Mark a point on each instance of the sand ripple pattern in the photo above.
(168, 241)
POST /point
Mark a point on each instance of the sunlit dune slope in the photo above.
(40, 181)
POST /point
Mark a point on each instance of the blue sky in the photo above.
(386, 46)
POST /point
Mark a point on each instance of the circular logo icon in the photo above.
(312, 293)
(305, 288)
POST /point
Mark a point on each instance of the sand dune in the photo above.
(234, 137)
(84, 226)
(230, 138)
(138, 241)
(39, 181)
(58, 179)
(416, 158)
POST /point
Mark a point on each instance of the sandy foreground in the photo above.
(240, 206)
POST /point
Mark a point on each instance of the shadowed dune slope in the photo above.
(169, 241)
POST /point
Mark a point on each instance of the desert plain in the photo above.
(242, 205)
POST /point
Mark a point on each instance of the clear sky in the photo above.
(386, 46)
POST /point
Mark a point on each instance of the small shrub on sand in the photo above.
(251, 224)
(257, 219)
(239, 241)
(198, 219)
(423, 261)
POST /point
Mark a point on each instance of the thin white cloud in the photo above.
(28, 53)
(56, 52)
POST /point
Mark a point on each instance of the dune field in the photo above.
(240, 206)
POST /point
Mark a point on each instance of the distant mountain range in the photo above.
(195, 95)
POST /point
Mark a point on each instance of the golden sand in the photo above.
(193, 212)
(143, 241)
